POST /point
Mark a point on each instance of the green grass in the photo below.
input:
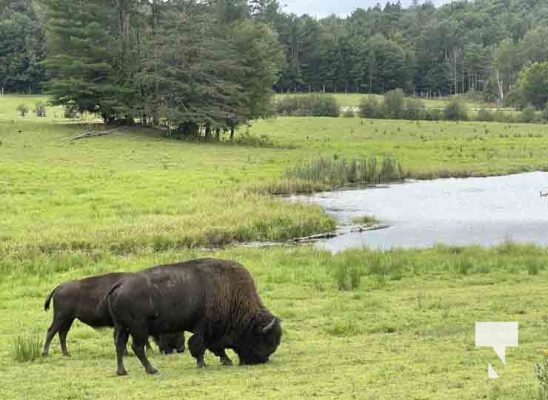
(359, 324)
(418, 325)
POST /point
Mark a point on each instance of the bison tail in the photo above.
(48, 299)
(105, 302)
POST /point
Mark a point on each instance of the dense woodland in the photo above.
(211, 63)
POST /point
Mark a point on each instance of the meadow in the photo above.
(358, 324)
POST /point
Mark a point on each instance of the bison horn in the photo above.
(267, 328)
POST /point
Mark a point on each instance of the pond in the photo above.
(482, 211)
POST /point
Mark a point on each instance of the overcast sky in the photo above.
(323, 8)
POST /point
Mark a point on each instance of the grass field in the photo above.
(131, 200)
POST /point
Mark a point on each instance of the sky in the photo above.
(323, 8)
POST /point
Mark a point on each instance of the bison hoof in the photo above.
(181, 350)
(121, 372)
(151, 371)
(227, 362)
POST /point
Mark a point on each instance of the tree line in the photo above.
(127, 49)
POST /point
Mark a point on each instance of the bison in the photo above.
(82, 299)
(214, 299)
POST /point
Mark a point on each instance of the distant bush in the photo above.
(501, 116)
(23, 109)
(527, 114)
(394, 104)
(40, 109)
(414, 109)
(247, 139)
(370, 108)
(545, 113)
(313, 105)
(455, 111)
(485, 115)
(433, 114)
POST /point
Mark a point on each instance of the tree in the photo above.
(533, 85)
(21, 48)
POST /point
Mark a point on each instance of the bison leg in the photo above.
(138, 347)
(121, 343)
(115, 335)
(225, 360)
(63, 336)
(197, 349)
(52, 331)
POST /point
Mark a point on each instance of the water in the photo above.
(483, 211)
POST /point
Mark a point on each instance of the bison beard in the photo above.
(214, 299)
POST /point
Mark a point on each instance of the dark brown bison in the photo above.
(214, 299)
(82, 299)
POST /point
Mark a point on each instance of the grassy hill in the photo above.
(133, 199)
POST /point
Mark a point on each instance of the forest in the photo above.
(134, 59)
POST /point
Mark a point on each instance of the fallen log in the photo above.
(88, 134)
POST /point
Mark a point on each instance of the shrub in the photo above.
(414, 109)
(455, 111)
(394, 104)
(23, 109)
(370, 108)
(433, 114)
(545, 113)
(40, 109)
(485, 115)
(247, 139)
(528, 114)
(501, 116)
(26, 348)
(313, 105)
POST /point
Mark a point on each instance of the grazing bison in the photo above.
(214, 299)
(81, 299)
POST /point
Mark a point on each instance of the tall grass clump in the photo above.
(312, 105)
(347, 276)
(339, 171)
(26, 348)
(541, 373)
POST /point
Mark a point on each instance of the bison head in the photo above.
(170, 343)
(260, 341)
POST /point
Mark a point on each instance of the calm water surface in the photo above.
(483, 211)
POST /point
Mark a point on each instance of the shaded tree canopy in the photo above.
(193, 66)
